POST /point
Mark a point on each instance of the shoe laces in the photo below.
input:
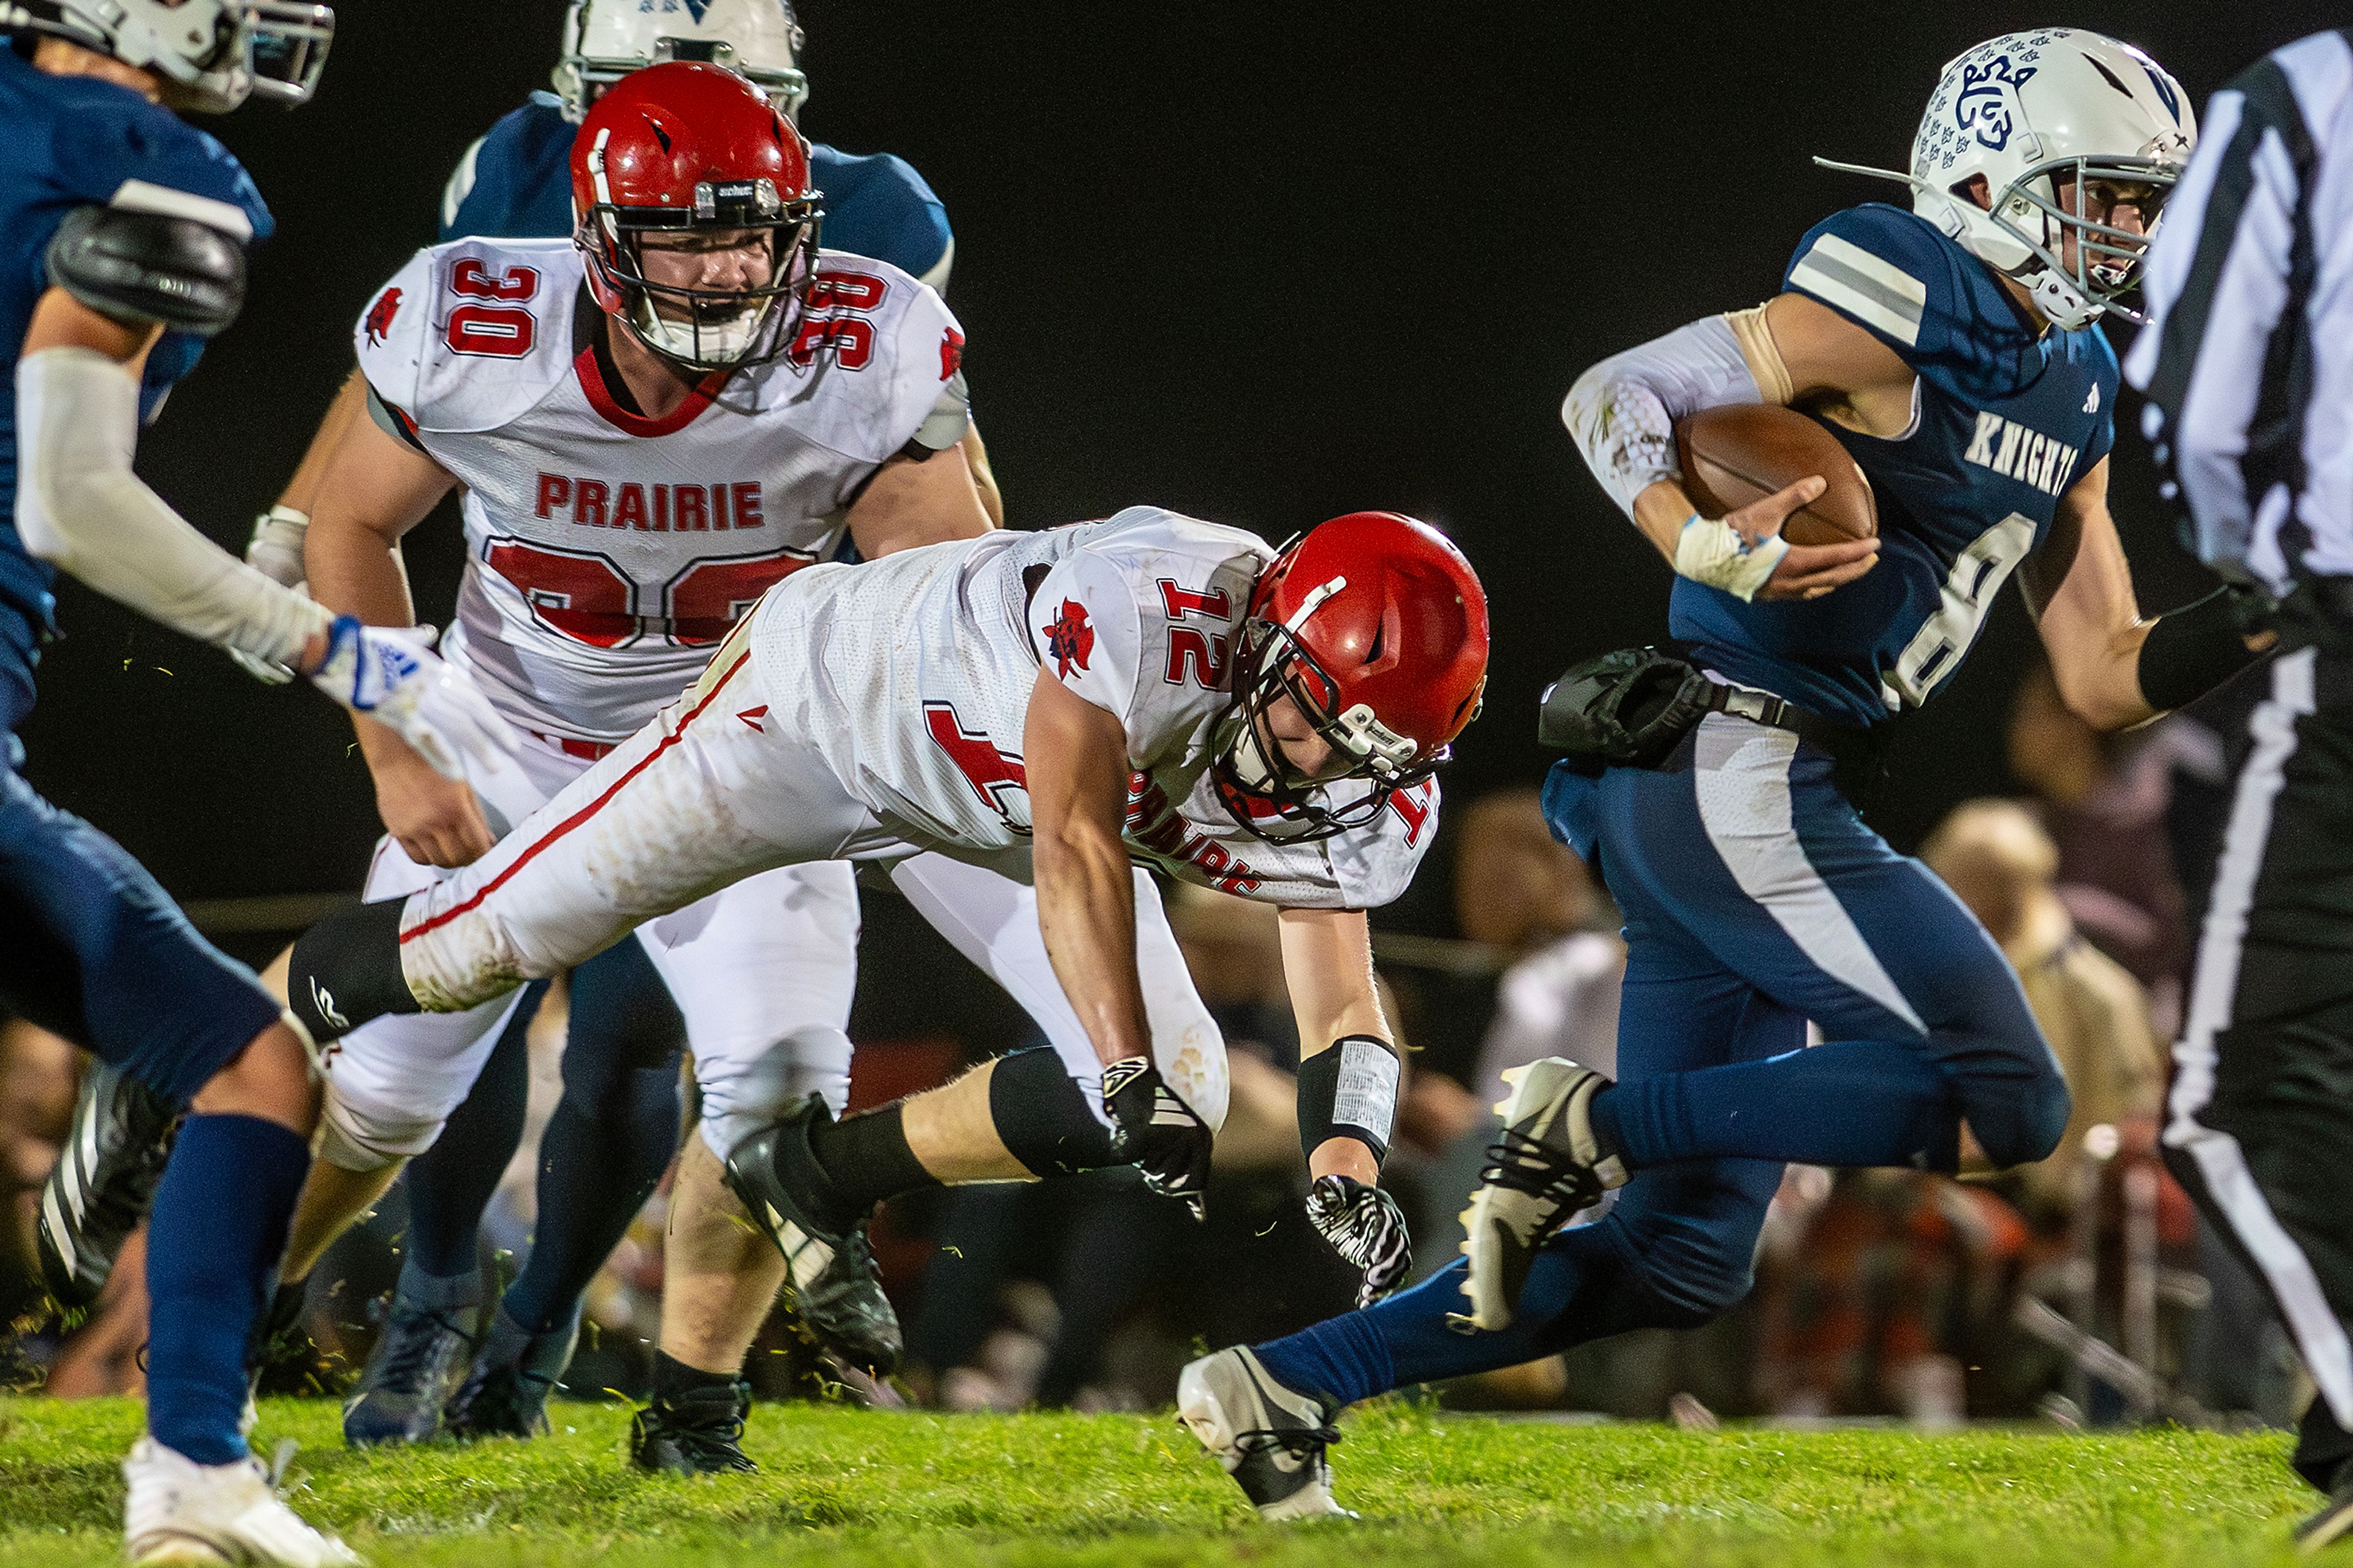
(1299, 1442)
(414, 1352)
(1521, 1163)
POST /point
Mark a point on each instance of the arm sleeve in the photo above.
(1622, 412)
(80, 506)
(2220, 279)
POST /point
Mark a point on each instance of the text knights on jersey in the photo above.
(2030, 457)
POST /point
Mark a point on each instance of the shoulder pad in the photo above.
(1880, 266)
(881, 349)
(878, 206)
(471, 334)
(148, 157)
(139, 266)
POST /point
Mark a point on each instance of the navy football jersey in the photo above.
(2004, 420)
(68, 142)
(516, 184)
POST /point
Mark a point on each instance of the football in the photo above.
(1734, 454)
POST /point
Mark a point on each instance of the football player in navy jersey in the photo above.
(1953, 350)
(125, 232)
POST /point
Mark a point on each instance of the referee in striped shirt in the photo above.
(2247, 360)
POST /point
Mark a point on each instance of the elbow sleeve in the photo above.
(1622, 412)
(80, 506)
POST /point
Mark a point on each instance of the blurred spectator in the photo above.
(1877, 1292)
(2000, 863)
(2103, 801)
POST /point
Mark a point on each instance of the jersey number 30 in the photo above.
(584, 596)
(500, 330)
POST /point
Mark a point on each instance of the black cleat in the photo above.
(103, 1185)
(505, 1393)
(283, 1358)
(416, 1366)
(831, 1273)
(1270, 1439)
(699, 1434)
(2335, 1518)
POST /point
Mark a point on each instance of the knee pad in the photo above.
(1193, 1063)
(1044, 1119)
(744, 1091)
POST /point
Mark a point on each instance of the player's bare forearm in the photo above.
(301, 491)
(373, 490)
(2079, 589)
(1076, 759)
(1327, 965)
(912, 502)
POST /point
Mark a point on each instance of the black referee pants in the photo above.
(2260, 1122)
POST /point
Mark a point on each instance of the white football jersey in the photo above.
(607, 552)
(912, 675)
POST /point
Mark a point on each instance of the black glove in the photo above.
(1154, 1131)
(1366, 1227)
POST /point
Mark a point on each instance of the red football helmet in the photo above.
(690, 148)
(1376, 627)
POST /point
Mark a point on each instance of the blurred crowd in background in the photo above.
(2085, 1289)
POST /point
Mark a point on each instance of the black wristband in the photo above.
(1349, 1090)
(2191, 650)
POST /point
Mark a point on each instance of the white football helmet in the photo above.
(604, 40)
(2033, 112)
(213, 55)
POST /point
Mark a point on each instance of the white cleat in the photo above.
(1270, 1438)
(182, 1511)
(1545, 1167)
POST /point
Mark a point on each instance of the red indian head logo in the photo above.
(1069, 639)
(380, 315)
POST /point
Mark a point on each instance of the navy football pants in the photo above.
(1754, 900)
(92, 949)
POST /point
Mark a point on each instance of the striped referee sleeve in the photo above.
(2227, 359)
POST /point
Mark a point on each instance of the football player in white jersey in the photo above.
(652, 424)
(1051, 710)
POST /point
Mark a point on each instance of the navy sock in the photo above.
(594, 1176)
(451, 1184)
(215, 1238)
(1845, 1103)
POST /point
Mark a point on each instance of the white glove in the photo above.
(1711, 551)
(392, 675)
(276, 552)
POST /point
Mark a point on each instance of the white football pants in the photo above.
(721, 843)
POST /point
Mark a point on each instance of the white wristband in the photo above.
(1711, 551)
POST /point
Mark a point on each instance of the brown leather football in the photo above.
(1732, 455)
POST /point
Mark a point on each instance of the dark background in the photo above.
(1259, 263)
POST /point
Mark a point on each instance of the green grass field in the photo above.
(851, 1488)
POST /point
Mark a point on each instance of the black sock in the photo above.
(865, 1159)
(674, 1380)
